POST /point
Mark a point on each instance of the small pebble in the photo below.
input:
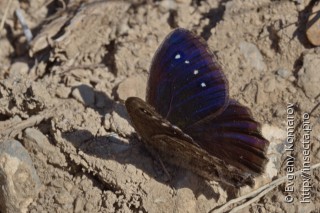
(284, 73)
(313, 26)
(19, 69)
(167, 5)
(19, 181)
(308, 75)
(252, 55)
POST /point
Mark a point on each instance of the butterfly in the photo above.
(188, 118)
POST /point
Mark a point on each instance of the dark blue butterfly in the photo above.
(188, 118)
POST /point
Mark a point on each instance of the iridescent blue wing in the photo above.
(234, 137)
(186, 85)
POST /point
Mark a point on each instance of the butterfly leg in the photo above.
(164, 168)
(156, 155)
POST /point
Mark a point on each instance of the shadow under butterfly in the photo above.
(189, 120)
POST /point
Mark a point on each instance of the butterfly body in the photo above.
(189, 120)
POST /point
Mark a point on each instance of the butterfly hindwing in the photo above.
(233, 136)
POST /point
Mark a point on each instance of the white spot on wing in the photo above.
(165, 124)
(176, 128)
(177, 56)
(203, 84)
(187, 62)
(195, 72)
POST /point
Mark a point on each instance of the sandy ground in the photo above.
(62, 95)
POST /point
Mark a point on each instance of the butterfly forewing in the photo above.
(186, 84)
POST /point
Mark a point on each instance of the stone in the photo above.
(106, 121)
(284, 73)
(313, 26)
(252, 55)
(277, 138)
(19, 68)
(308, 75)
(19, 181)
(167, 5)
(36, 140)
